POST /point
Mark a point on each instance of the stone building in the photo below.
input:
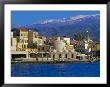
(63, 55)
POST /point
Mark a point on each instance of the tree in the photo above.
(78, 36)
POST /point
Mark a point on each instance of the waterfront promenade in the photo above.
(47, 57)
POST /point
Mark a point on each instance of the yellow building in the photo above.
(21, 34)
(27, 39)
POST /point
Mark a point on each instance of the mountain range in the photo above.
(68, 26)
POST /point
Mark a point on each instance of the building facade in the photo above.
(21, 35)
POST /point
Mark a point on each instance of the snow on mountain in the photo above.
(71, 18)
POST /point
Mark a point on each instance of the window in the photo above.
(44, 55)
(44, 42)
(71, 55)
(59, 55)
(77, 57)
(65, 55)
(53, 56)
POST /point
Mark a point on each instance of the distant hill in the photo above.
(69, 26)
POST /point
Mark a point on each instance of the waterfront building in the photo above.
(83, 47)
(63, 56)
(28, 45)
(32, 39)
(19, 55)
(13, 42)
(59, 45)
(21, 34)
(35, 39)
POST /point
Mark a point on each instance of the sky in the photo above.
(23, 18)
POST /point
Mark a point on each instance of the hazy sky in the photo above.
(28, 17)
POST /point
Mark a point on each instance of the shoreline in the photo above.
(52, 62)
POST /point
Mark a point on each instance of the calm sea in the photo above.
(56, 70)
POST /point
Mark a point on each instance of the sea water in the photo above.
(56, 70)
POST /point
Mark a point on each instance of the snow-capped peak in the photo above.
(71, 18)
(82, 16)
(78, 17)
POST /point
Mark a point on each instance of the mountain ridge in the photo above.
(68, 26)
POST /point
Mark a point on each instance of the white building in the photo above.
(13, 42)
